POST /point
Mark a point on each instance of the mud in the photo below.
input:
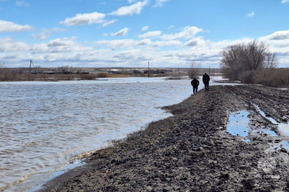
(192, 151)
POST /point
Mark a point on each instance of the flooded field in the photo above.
(44, 126)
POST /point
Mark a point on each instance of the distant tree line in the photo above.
(8, 75)
(253, 63)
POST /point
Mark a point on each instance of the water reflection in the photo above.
(282, 144)
(239, 125)
(282, 127)
(268, 132)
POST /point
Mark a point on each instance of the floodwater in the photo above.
(44, 126)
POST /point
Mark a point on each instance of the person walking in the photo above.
(206, 80)
(195, 83)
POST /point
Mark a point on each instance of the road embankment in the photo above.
(191, 150)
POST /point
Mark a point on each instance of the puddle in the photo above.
(269, 132)
(238, 124)
(264, 115)
(282, 127)
(283, 144)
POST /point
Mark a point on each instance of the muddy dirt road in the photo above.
(192, 150)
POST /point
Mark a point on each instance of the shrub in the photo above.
(273, 77)
(193, 71)
(247, 77)
(253, 63)
(8, 75)
(241, 58)
(101, 75)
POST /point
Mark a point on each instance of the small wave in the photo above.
(24, 178)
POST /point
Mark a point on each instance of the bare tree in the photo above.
(233, 60)
(194, 70)
(241, 58)
(256, 55)
(271, 61)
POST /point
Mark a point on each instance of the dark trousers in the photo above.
(195, 89)
(207, 86)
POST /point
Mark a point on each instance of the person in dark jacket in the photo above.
(195, 83)
(206, 80)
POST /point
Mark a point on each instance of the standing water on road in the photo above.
(44, 125)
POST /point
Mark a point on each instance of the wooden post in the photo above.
(148, 69)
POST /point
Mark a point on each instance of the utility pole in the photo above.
(148, 69)
(31, 65)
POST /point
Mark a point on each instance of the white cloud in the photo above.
(167, 50)
(285, 1)
(62, 44)
(117, 44)
(192, 43)
(122, 32)
(84, 19)
(107, 23)
(187, 33)
(252, 14)
(9, 45)
(46, 33)
(22, 4)
(145, 42)
(150, 34)
(145, 28)
(167, 43)
(278, 35)
(160, 3)
(130, 10)
(278, 42)
(7, 26)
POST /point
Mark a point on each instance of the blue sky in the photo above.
(131, 33)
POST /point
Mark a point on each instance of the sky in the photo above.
(133, 33)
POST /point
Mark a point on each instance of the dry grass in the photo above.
(270, 77)
(11, 75)
(8, 75)
(273, 77)
(117, 76)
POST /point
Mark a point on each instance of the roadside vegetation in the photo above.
(67, 73)
(8, 75)
(253, 63)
